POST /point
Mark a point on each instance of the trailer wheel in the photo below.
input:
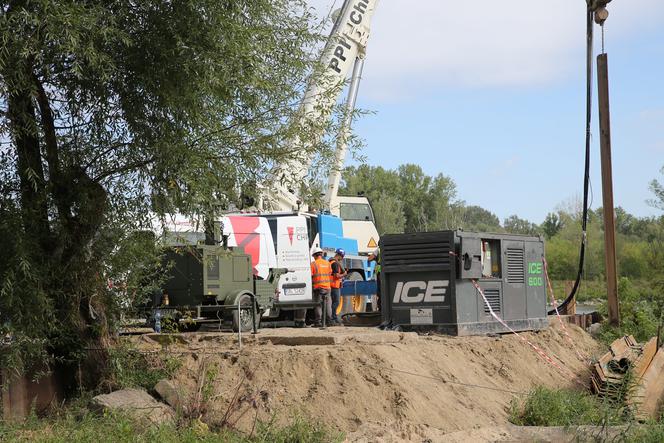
(355, 303)
(242, 318)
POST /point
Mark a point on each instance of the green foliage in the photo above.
(129, 368)
(299, 431)
(515, 225)
(134, 269)
(641, 308)
(551, 225)
(563, 407)
(639, 246)
(633, 259)
(589, 290)
(651, 432)
(116, 112)
(388, 210)
(68, 426)
(562, 258)
(658, 189)
(475, 218)
(408, 200)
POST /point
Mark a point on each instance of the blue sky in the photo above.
(492, 94)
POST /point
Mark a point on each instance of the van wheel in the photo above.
(242, 318)
(355, 303)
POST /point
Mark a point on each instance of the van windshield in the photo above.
(355, 212)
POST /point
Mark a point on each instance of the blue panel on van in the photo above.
(330, 230)
(359, 287)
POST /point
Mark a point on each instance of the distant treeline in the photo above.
(408, 200)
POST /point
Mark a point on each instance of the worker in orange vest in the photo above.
(321, 279)
(338, 274)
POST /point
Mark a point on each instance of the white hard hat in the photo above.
(316, 250)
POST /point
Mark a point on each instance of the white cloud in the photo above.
(417, 45)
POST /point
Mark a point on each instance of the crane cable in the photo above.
(586, 175)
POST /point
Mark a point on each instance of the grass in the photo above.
(69, 427)
(564, 407)
(129, 368)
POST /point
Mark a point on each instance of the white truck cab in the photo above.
(358, 221)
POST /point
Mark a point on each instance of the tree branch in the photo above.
(128, 167)
(48, 125)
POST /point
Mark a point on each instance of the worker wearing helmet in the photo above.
(338, 274)
(321, 278)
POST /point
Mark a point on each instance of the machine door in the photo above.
(471, 258)
(514, 279)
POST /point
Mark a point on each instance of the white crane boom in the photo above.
(334, 178)
(345, 45)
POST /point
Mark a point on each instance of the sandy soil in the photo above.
(374, 385)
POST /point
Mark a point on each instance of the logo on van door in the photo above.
(432, 291)
(290, 230)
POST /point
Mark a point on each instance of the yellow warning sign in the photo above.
(372, 243)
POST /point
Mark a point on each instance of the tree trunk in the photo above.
(34, 207)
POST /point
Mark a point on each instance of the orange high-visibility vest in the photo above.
(321, 273)
(336, 281)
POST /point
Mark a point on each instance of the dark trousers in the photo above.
(335, 295)
(319, 295)
(322, 297)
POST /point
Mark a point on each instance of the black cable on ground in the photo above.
(586, 175)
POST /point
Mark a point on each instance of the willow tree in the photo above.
(111, 111)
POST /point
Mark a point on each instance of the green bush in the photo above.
(564, 407)
(553, 407)
(640, 311)
(129, 368)
(652, 432)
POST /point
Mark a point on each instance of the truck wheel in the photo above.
(242, 318)
(354, 303)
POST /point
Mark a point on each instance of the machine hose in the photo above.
(586, 175)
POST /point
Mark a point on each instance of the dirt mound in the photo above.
(373, 385)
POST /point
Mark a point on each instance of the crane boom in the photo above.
(346, 43)
(342, 142)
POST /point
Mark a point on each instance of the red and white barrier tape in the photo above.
(539, 351)
(555, 307)
(564, 371)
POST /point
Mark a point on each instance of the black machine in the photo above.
(430, 281)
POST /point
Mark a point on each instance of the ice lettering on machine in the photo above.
(432, 291)
(535, 271)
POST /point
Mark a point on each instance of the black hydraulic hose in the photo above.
(586, 175)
